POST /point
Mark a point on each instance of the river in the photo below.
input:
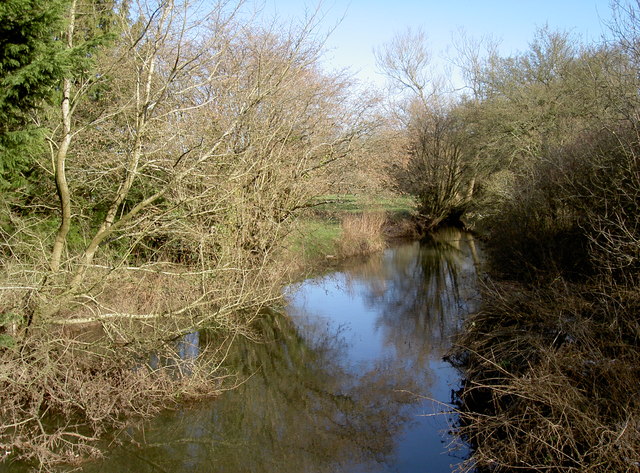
(352, 379)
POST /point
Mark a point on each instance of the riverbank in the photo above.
(552, 359)
(67, 386)
(342, 226)
(552, 379)
(341, 378)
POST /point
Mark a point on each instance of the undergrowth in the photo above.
(61, 396)
(552, 360)
(552, 380)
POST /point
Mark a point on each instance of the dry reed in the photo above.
(362, 234)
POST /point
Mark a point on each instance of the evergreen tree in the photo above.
(29, 71)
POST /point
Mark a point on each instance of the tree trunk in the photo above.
(59, 163)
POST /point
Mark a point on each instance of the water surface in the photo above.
(350, 380)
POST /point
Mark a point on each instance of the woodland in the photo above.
(158, 159)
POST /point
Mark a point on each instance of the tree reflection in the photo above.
(303, 407)
(299, 410)
(422, 292)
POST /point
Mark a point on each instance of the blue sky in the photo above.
(369, 23)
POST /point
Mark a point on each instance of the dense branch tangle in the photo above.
(192, 142)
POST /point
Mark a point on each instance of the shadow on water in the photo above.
(346, 382)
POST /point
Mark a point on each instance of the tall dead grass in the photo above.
(362, 234)
(552, 380)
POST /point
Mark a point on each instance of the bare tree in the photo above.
(212, 131)
(405, 61)
(436, 169)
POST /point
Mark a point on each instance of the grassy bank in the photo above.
(344, 225)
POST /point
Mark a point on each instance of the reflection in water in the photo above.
(330, 387)
(399, 311)
(187, 349)
(298, 411)
(428, 291)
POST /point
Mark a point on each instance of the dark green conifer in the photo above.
(29, 71)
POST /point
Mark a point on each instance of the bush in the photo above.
(602, 188)
(552, 367)
(535, 234)
(574, 214)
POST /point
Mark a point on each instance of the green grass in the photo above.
(316, 238)
(349, 203)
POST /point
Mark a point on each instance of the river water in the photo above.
(353, 380)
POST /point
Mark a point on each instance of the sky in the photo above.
(361, 25)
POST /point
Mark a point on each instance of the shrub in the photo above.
(602, 187)
(552, 368)
(575, 213)
(535, 233)
(552, 380)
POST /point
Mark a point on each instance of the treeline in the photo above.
(468, 154)
(541, 156)
(154, 155)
